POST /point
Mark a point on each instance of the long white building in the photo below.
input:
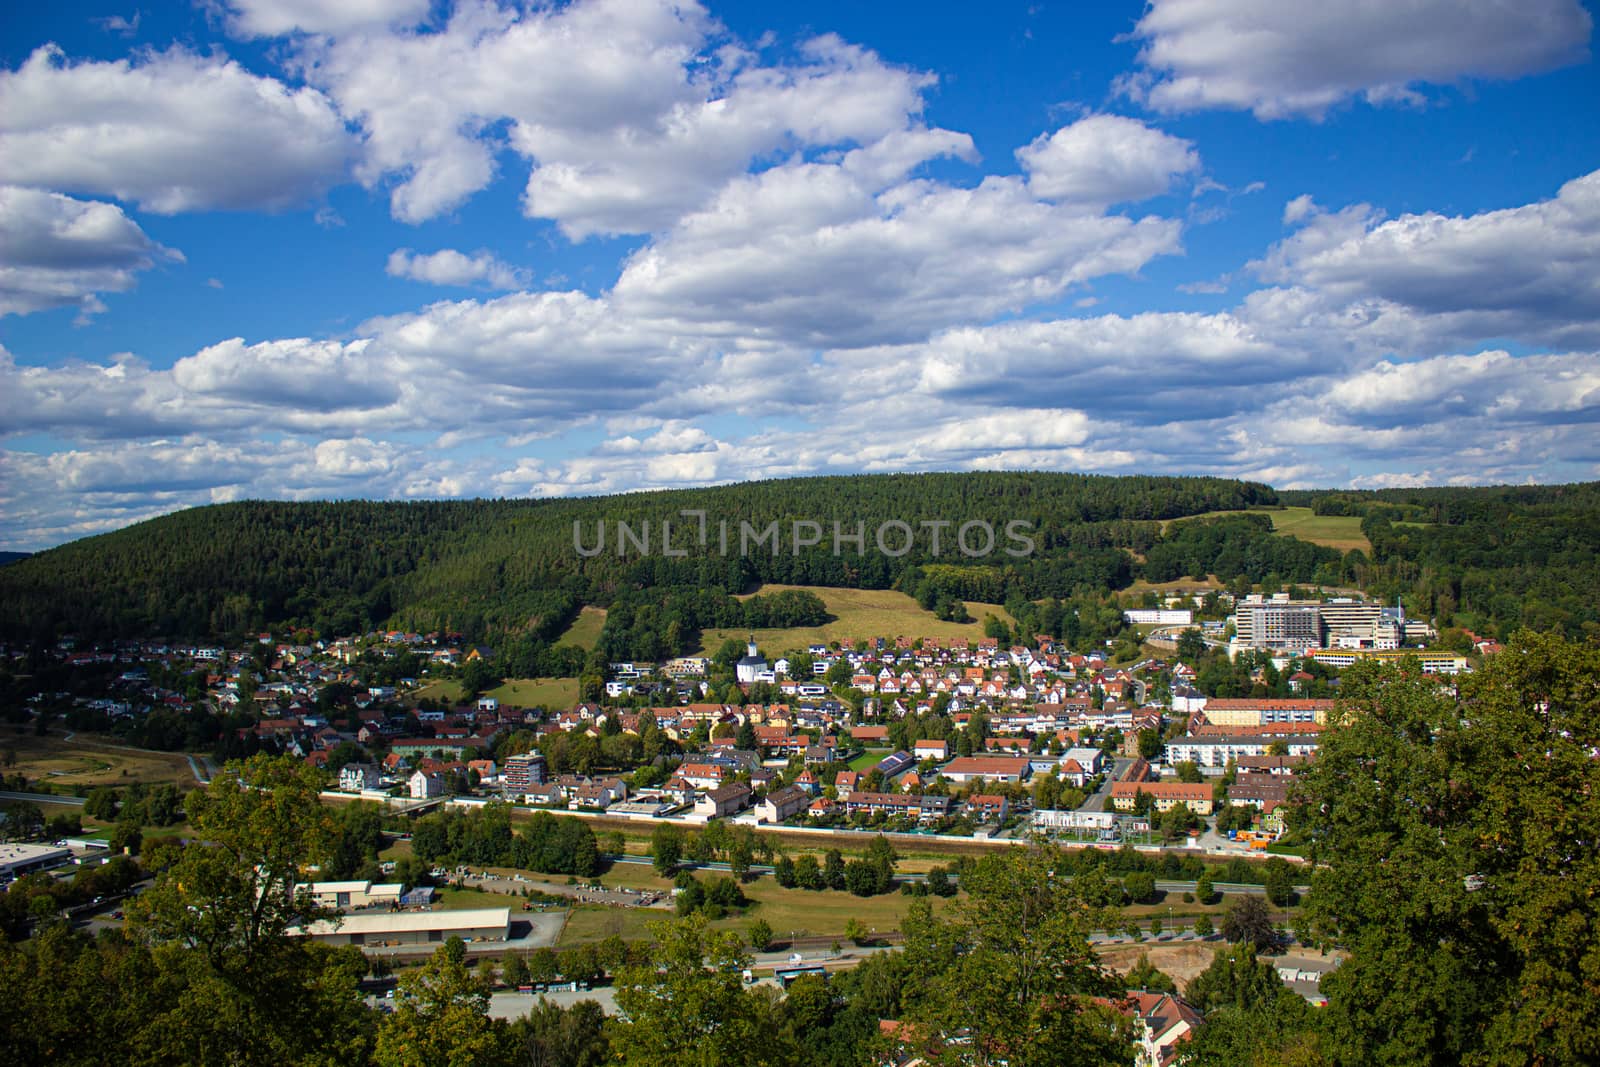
(1211, 753)
(383, 928)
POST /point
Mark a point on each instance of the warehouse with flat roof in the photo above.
(18, 860)
(384, 929)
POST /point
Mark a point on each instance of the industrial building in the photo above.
(344, 895)
(19, 860)
(387, 929)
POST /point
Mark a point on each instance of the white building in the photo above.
(411, 927)
(752, 666)
(354, 777)
(724, 800)
(426, 785)
(344, 895)
(1211, 753)
(18, 860)
(1158, 617)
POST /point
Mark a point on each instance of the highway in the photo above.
(43, 798)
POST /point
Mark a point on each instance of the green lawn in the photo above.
(515, 692)
(822, 914)
(460, 899)
(154, 833)
(443, 689)
(585, 629)
(1336, 531)
(858, 614)
(558, 693)
(868, 759)
(596, 922)
(811, 913)
(395, 851)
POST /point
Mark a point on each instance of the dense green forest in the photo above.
(511, 573)
(489, 569)
(1490, 559)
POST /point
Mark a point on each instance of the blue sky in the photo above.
(400, 249)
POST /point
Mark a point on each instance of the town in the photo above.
(1191, 753)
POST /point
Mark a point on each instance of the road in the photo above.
(200, 779)
(1097, 802)
(44, 798)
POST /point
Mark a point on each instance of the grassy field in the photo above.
(585, 629)
(1336, 531)
(444, 690)
(596, 922)
(515, 693)
(1182, 585)
(537, 692)
(868, 759)
(461, 899)
(90, 761)
(858, 614)
(790, 912)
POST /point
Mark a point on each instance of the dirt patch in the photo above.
(88, 761)
(1181, 960)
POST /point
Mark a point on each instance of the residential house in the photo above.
(596, 795)
(723, 800)
(1164, 1022)
(705, 775)
(1001, 769)
(354, 777)
(426, 784)
(784, 804)
(870, 735)
(922, 808)
(1166, 795)
(987, 807)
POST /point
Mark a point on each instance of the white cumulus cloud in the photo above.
(1531, 272)
(56, 251)
(450, 267)
(1106, 159)
(277, 18)
(1286, 58)
(171, 132)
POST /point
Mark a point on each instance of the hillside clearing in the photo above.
(585, 629)
(1335, 531)
(858, 614)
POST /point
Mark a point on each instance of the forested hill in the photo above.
(1490, 558)
(493, 569)
(508, 573)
